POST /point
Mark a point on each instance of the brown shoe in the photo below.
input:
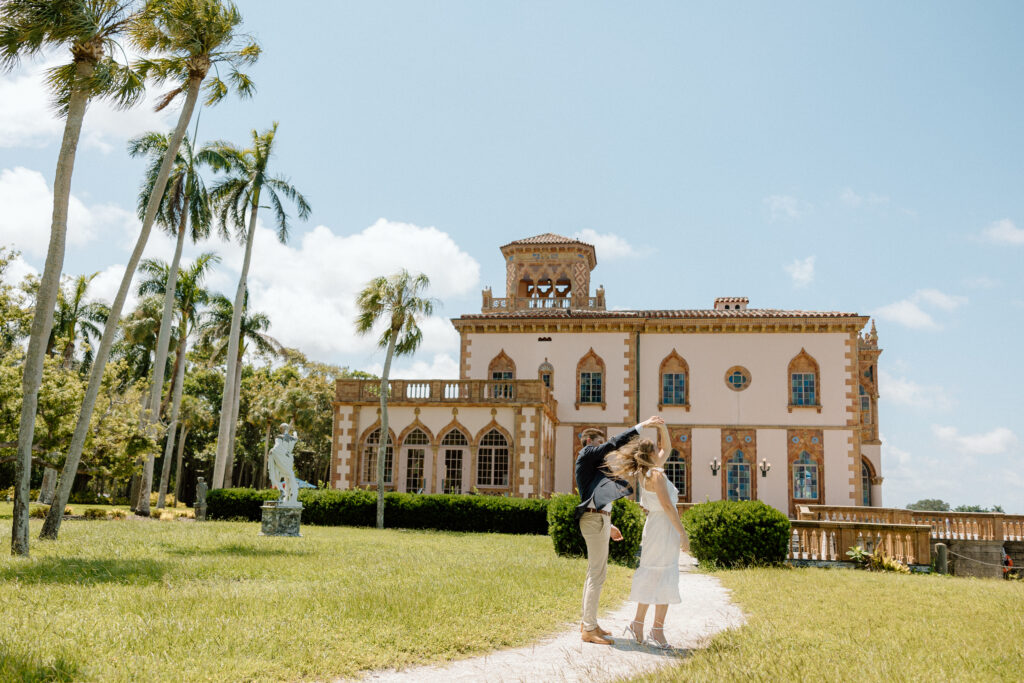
(595, 637)
(598, 630)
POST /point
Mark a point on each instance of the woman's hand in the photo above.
(616, 534)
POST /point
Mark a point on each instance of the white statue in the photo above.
(282, 472)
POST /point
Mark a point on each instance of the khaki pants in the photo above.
(596, 531)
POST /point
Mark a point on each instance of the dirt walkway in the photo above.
(706, 609)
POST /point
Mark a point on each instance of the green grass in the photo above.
(147, 600)
(843, 625)
(7, 509)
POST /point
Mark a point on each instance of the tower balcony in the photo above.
(493, 304)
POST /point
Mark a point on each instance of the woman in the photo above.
(656, 581)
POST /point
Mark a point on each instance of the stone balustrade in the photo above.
(978, 526)
(492, 304)
(446, 391)
(827, 541)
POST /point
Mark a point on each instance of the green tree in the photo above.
(930, 505)
(88, 29)
(240, 192)
(398, 302)
(76, 319)
(15, 314)
(190, 37)
(194, 415)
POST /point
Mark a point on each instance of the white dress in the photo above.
(656, 581)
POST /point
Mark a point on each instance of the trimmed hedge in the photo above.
(326, 507)
(568, 541)
(737, 533)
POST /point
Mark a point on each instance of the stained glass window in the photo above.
(737, 378)
(673, 388)
(675, 470)
(737, 474)
(805, 478)
(590, 387)
(802, 389)
(865, 406)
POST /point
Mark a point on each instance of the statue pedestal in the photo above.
(280, 520)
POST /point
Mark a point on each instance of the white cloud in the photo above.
(25, 218)
(910, 312)
(994, 442)
(104, 287)
(781, 206)
(441, 366)
(905, 392)
(27, 118)
(609, 246)
(857, 201)
(801, 271)
(17, 270)
(981, 282)
(1004, 232)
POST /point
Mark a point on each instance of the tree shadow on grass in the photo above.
(237, 550)
(81, 571)
(15, 666)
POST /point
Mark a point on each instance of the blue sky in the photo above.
(828, 156)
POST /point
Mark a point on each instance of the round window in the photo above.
(737, 378)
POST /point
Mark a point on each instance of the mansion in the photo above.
(761, 404)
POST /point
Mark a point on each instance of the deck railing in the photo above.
(977, 526)
(446, 391)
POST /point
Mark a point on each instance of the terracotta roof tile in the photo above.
(666, 314)
(546, 238)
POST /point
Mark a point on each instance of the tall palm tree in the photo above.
(194, 414)
(140, 329)
(191, 36)
(398, 302)
(237, 194)
(217, 332)
(76, 318)
(189, 295)
(89, 30)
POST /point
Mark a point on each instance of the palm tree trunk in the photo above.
(51, 526)
(382, 448)
(42, 318)
(224, 442)
(177, 469)
(228, 480)
(172, 427)
(266, 455)
(163, 342)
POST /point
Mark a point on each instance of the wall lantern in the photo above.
(713, 464)
(765, 467)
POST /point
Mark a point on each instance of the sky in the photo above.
(862, 157)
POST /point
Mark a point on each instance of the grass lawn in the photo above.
(7, 509)
(147, 600)
(842, 625)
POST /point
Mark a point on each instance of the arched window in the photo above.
(503, 369)
(805, 478)
(546, 373)
(454, 445)
(415, 456)
(675, 470)
(865, 483)
(370, 446)
(492, 460)
(590, 380)
(865, 406)
(675, 385)
(737, 477)
(804, 381)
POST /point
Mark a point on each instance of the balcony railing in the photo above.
(492, 304)
(977, 526)
(823, 541)
(446, 391)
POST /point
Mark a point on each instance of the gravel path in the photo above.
(706, 609)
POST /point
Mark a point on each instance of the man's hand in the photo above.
(616, 534)
(653, 421)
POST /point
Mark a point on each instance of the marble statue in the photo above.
(281, 465)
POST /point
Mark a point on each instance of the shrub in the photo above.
(95, 513)
(358, 507)
(737, 533)
(85, 498)
(877, 561)
(38, 511)
(168, 499)
(117, 513)
(568, 541)
(166, 516)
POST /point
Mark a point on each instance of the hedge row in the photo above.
(568, 540)
(495, 514)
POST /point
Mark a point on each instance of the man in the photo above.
(597, 493)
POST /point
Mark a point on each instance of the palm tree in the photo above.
(398, 302)
(140, 330)
(193, 414)
(191, 36)
(217, 335)
(190, 295)
(76, 318)
(238, 193)
(89, 29)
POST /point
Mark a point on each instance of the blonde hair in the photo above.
(632, 461)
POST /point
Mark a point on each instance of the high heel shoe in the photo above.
(629, 630)
(657, 641)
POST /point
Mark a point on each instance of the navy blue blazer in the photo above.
(596, 488)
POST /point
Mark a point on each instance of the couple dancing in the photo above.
(602, 472)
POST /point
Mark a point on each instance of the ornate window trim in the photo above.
(673, 363)
(546, 368)
(682, 443)
(812, 442)
(363, 439)
(475, 455)
(873, 480)
(591, 362)
(743, 371)
(804, 363)
(744, 440)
